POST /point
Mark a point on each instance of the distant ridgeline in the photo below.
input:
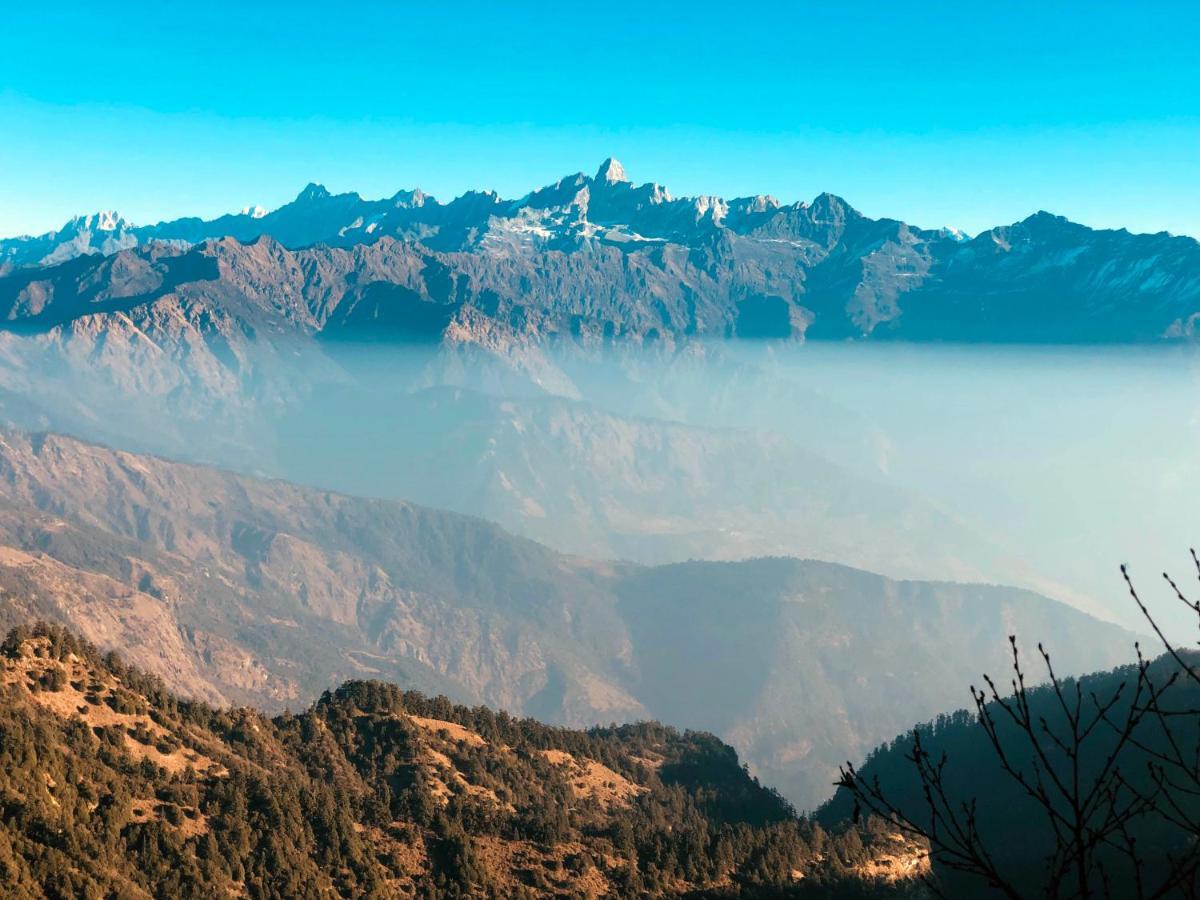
(111, 786)
(599, 259)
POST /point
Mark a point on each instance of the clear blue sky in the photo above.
(963, 113)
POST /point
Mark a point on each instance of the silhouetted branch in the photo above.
(1067, 762)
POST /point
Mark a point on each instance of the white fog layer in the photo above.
(1043, 467)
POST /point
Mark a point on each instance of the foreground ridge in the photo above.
(112, 785)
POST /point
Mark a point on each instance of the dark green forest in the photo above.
(1078, 787)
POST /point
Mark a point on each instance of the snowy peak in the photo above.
(611, 172)
(759, 203)
(105, 220)
(413, 199)
(108, 220)
(954, 234)
(313, 191)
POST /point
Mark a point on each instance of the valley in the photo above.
(240, 590)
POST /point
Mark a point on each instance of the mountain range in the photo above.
(455, 354)
(243, 340)
(600, 258)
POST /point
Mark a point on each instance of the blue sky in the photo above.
(965, 114)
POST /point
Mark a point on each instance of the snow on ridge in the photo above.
(104, 220)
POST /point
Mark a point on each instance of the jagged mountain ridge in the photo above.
(607, 207)
(102, 233)
(600, 257)
(236, 589)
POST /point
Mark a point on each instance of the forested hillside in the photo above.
(1080, 788)
(113, 787)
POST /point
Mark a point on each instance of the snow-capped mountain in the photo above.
(101, 232)
(603, 256)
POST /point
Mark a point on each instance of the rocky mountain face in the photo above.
(235, 589)
(600, 258)
(101, 233)
(113, 786)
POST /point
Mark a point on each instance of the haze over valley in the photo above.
(610, 534)
(489, 357)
